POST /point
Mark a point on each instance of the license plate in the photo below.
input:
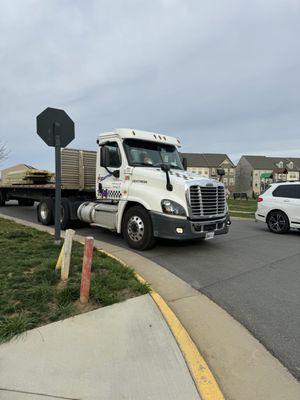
(209, 235)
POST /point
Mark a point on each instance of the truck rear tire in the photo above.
(45, 212)
(65, 214)
(137, 228)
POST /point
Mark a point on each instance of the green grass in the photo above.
(31, 293)
(242, 208)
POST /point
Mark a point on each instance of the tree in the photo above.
(3, 152)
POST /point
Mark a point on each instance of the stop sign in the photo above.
(53, 122)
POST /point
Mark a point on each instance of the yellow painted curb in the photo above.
(204, 380)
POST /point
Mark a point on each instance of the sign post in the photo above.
(56, 128)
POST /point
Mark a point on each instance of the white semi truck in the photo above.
(135, 184)
(144, 192)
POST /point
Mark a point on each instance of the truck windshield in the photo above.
(151, 154)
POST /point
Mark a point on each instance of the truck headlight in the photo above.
(173, 208)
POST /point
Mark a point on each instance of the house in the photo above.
(207, 164)
(254, 173)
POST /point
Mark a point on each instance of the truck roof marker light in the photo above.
(133, 133)
(155, 136)
(260, 199)
(164, 138)
(159, 137)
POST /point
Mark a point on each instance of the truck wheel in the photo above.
(26, 202)
(45, 212)
(2, 199)
(278, 222)
(65, 214)
(137, 228)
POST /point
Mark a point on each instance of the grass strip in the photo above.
(242, 208)
(31, 293)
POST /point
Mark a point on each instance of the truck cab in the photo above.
(144, 192)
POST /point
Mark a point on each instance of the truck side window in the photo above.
(114, 155)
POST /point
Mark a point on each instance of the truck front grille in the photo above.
(205, 201)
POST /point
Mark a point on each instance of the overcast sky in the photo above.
(224, 76)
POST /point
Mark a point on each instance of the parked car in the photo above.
(279, 207)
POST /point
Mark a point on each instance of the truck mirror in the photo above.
(165, 167)
(104, 157)
(184, 163)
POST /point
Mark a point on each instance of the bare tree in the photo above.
(3, 152)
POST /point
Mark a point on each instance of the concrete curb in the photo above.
(242, 366)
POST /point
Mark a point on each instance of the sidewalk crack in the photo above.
(38, 394)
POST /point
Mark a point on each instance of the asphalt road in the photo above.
(251, 273)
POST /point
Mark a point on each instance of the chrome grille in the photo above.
(207, 200)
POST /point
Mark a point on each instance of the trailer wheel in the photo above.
(45, 212)
(65, 214)
(26, 202)
(2, 199)
(137, 228)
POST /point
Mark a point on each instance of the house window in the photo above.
(291, 165)
(213, 171)
(280, 164)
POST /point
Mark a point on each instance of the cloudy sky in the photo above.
(224, 76)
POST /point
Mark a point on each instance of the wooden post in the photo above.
(67, 254)
(86, 270)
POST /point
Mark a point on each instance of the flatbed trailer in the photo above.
(78, 185)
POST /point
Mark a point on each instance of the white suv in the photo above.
(279, 207)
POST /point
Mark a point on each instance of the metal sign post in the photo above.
(56, 128)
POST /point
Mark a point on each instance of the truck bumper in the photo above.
(167, 227)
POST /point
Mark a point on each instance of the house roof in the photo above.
(206, 159)
(271, 163)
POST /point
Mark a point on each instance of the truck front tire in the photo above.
(137, 228)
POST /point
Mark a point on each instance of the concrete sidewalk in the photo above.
(125, 351)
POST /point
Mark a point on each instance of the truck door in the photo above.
(110, 177)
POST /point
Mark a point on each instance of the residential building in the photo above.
(254, 173)
(207, 164)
